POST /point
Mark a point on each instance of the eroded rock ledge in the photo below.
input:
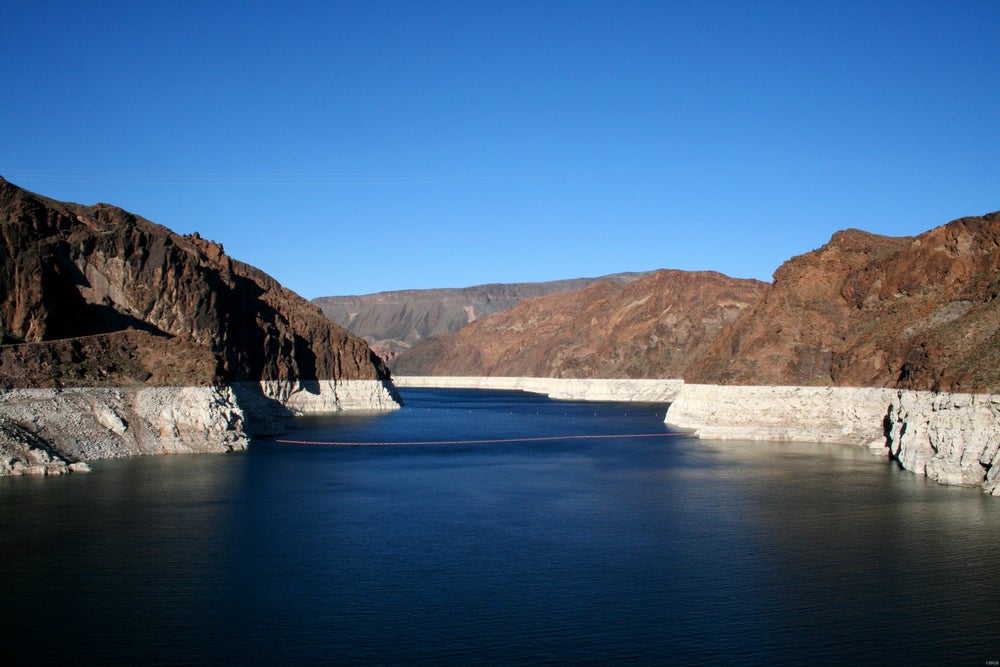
(57, 430)
(952, 438)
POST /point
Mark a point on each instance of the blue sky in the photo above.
(356, 147)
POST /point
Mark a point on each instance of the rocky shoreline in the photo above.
(578, 389)
(49, 431)
(119, 337)
(952, 438)
(835, 415)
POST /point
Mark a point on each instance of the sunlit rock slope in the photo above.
(649, 328)
(393, 322)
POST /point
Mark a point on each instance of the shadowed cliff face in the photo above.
(865, 310)
(648, 328)
(84, 272)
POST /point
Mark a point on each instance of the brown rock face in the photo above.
(392, 322)
(867, 310)
(83, 272)
(120, 359)
(647, 328)
(864, 310)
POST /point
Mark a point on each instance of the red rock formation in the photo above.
(392, 322)
(647, 328)
(867, 310)
(864, 310)
(72, 271)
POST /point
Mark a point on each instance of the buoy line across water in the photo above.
(476, 442)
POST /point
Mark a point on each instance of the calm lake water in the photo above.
(652, 550)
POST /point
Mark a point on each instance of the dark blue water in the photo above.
(608, 551)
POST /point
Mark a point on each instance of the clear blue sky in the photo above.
(355, 147)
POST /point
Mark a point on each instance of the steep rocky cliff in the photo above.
(394, 321)
(916, 313)
(121, 337)
(648, 328)
(903, 332)
(71, 271)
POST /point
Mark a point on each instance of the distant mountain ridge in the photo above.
(648, 328)
(864, 310)
(394, 321)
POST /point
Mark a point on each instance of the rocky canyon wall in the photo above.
(843, 333)
(864, 310)
(649, 328)
(120, 337)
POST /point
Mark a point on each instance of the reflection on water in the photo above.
(660, 550)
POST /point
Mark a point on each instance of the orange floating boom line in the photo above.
(476, 442)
